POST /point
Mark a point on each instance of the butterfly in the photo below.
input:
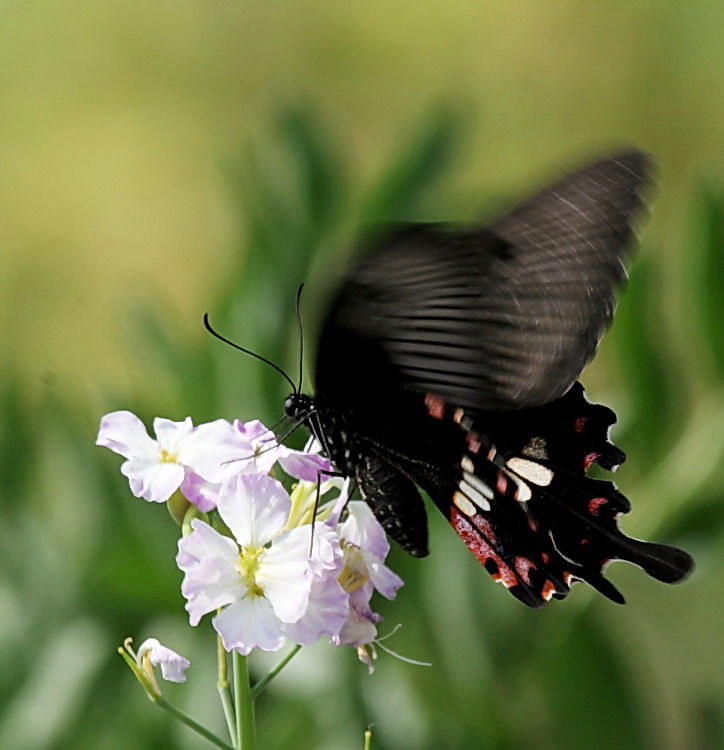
(448, 362)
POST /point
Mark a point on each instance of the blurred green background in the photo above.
(161, 159)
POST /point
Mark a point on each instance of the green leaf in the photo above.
(400, 190)
(705, 291)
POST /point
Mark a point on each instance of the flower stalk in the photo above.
(224, 688)
(243, 704)
(260, 686)
(198, 728)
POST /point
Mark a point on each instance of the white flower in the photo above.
(365, 547)
(266, 580)
(151, 653)
(157, 468)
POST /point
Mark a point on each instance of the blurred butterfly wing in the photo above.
(495, 319)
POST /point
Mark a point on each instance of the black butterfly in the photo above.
(449, 362)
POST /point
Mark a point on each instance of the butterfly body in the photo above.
(449, 362)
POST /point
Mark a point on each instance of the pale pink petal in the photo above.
(124, 433)
(211, 586)
(255, 507)
(307, 466)
(360, 627)
(341, 502)
(209, 447)
(204, 495)
(170, 433)
(205, 541)
(209, 561)
(326, 613)
(263, 443)
(363, 530)
(249, 624)
(255, 430)
(173, 665)
(284, 574)
(153, 480)
(325, 551)
(383, 579)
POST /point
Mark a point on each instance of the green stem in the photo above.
(244, 704)
(261, 685)
(182, 717)
(224, 690)
(368, 739)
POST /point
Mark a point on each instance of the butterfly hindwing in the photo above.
(533, 500)
(395, 501)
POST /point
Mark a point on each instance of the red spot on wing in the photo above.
(478, 535)
(523, 566)
(549, 588)
(595, 503)
(473, 442)
(588, 459)
(435, 406)
(579, 424)
(502, 483)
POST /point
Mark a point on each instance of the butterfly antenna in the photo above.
(248, 351)
(301, 338)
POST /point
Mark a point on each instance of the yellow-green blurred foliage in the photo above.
(160, 159)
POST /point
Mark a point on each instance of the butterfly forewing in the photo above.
(499, 318)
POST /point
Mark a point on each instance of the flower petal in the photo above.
(209, 449)
(360, 627)
(255, 507)
(306, 466)
(124, 433)
(255, 430)
(383, 579)
(211, 579)
(173, 665)
(341, 502)
(325, 550)
(284, 574)
(153, 480)
(263, 446)
(204, 495)
(248, 624)
(203, 542)
(363, 530)
(170, 433)
(326, 613)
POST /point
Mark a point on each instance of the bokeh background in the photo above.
(162, 159)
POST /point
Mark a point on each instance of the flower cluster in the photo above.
(271, 565)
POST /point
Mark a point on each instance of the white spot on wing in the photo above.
(463, 504)
(523, 493)
(532, 471)
(479, 485)
(473, 488)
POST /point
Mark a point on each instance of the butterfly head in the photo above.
(298, 406)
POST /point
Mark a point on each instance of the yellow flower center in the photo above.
(350, 580)
(353, 573)
(166, 457)
(248, 567)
